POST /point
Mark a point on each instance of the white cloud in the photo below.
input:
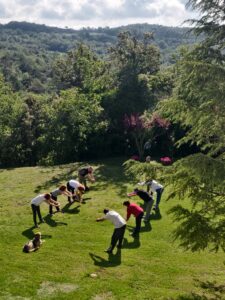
(94, 13)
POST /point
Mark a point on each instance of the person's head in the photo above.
(26, 248)
(62, 188)
(148, 158)
(37, 235)
(90, 170)
(105, 211)
(47, 196)
(81, 188)
(126, 203)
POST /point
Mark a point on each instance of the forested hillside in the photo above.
(28, 51)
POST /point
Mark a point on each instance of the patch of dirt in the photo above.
(8, 296)
(48, 289)
(104, 296)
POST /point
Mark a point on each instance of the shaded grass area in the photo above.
(150, 267)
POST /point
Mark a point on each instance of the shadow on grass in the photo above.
(68, 210)
(156, 215)
(56, 180)
(51, 222)
(147, 227)
(113, 260)
(111, 173)
(29, 233)
(132, 245)
(210, 291)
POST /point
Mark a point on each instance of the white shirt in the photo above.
(154, 185)
(74, 184)
(115, 218)
(38, 200)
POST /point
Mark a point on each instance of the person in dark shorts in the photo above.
(85, 174)
(62, 190)
(76, 189)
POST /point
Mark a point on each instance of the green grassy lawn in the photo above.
(153, 267)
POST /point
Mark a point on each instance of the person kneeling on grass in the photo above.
(33, 245)
(138, 212)
(35, 205)
(76, 189)
(62, 190)
(120, 226)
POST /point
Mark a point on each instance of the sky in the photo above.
(95, 13)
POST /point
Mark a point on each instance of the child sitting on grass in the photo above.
(33, 245)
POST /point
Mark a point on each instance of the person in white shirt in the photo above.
(35, 206)
(119, 228)
(76, 189)
(154, 187)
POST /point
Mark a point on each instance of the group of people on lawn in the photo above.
(74, 190)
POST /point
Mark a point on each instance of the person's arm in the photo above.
(67, 193)
(91, 177)
(128, 214)
(100, 219)
(131, 194)
(53, 202)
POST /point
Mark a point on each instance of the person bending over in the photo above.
(76, 189)
(62, 190)
(35, 206)
(137, 211)
(84, 174)
(119, 228)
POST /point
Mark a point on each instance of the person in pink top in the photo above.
(138, 212)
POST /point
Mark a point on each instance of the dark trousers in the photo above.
(36, 211)
(158, 196)
(138, 223)
(82, 180)
(70, 189)
(51, 206)
(117, 236)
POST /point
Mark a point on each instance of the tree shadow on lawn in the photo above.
(51, 222)
(210, 291)
(110, 174)
(75, 210)
(113, 260)
(29, 233)
(56, 180)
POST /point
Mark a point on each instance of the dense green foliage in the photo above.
(27, 50)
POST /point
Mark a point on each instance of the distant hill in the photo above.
(27, 50)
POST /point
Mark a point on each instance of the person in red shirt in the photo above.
(138, 212)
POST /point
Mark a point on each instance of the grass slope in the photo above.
(152, 268)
